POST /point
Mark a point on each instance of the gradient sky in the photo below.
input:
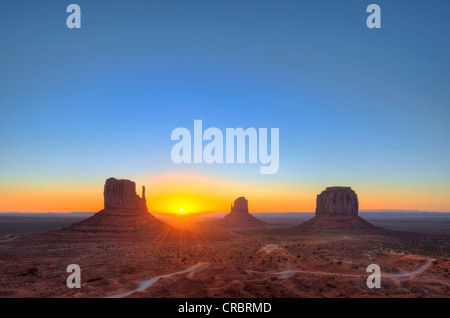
(357, 107)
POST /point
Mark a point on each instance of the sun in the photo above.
(181, 210)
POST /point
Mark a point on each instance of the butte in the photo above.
(240, 217)
(337, 211)
(125, 212)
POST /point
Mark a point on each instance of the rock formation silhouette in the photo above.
(121, 194)
(337, 211)
(240, 217)
(125, 211)
(337, 201)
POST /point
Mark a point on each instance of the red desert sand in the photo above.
(124, 251)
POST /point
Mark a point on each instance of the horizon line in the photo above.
(213, 212)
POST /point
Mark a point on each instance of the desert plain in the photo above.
(206, 260)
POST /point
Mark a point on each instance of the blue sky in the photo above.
(354, 105)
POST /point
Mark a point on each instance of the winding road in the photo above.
(291, 273)
(143, 285)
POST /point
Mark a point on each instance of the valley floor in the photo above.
(240, 263)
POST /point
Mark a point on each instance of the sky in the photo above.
(359, 107)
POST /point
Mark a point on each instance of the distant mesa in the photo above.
(337, 210)
(240, 217)
(125, 211)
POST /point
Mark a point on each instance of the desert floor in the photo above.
(215, 262)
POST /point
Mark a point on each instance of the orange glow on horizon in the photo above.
(189, 194)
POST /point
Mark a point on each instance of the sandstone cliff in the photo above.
(337, 201)
(121, 194)
(337, 211)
